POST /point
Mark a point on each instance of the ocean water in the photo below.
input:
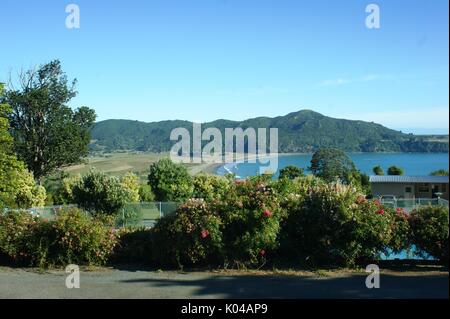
(412, 163)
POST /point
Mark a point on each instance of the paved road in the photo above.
(23, 283)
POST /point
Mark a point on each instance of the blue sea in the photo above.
(412, 163)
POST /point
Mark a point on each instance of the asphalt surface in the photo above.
(26, 283)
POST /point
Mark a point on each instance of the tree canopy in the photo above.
(291, 172)
(395, 170)
(378, 170)
(439, 172)
(47, 133)
(332, 164)
(17, 186)
(170, 181)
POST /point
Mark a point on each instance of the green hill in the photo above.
(302, 131)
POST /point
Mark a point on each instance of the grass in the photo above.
(118, 163)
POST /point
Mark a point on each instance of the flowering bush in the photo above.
(250, 216)
(334, 225)
(429, 227)
(191, 236)
(72, 237)
(15, 231)
(401, 231)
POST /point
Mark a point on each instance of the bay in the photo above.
(412, 163)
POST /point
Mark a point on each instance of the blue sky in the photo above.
(207, 59)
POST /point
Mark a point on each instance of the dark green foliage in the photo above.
(291, 172)
(378, 170)
(135, 245)
(395, 170)
(170, 182)
(47, 133)
(429, 227)
(439, 172)
(304, 131)
(145, 193)
(332, 165)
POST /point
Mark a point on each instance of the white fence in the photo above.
(414, 203)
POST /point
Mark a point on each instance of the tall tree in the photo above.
(332, 164)
(47, 133)
(17, 186)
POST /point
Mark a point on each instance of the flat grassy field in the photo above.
(121, 163)
(117, 163)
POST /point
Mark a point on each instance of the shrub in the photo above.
(191, 236)
(251, 217)
(15, 233)
(64, 192)
(401, 230)
(170, 181)
(430, 231)
(291, 172)
(334, 225)
(72, 237)
(134, 245)
(130, 182)
(100, 193)
(18, 188)
(210, 187)
(145, 193)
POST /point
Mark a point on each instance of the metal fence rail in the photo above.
(414, 203)
(132, 214)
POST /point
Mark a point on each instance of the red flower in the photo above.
(204, 233)
(262, 252)
(267, 213)
(380, 212)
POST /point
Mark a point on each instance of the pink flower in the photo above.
(262, 252)
(267, 213)
(204, 233)
(377, 202)
(380, 212)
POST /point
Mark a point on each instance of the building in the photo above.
(409, 187)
